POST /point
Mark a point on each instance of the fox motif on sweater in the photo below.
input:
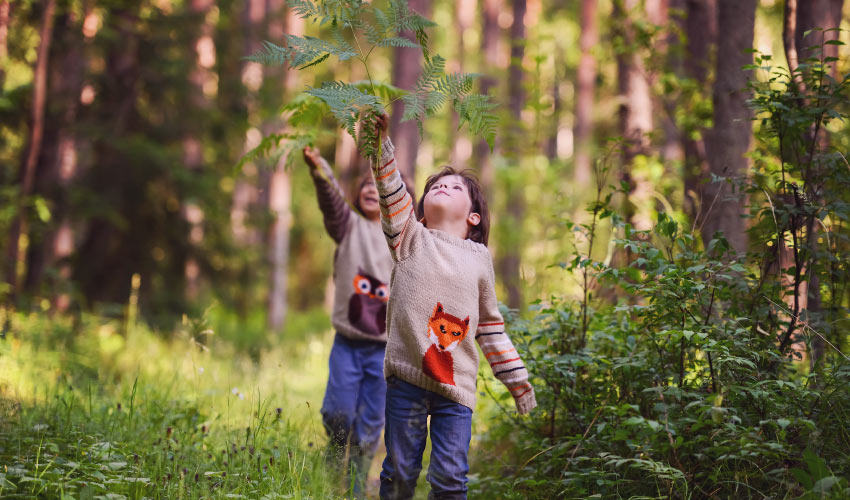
(445, 333)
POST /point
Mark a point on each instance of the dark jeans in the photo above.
(353, 409)
(408, 408)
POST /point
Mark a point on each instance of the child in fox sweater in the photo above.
(441, 297)
(353, 408)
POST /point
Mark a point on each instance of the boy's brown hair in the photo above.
(479, 233)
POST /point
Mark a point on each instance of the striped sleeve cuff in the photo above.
(526, 401)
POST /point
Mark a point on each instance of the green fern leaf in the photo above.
(397, 41)
(347, 102)
(475, 110)
(384, 90)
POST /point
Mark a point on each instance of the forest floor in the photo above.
(109, 413)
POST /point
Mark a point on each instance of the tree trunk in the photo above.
(204, 87)
(491, 35)
(584, 93)
(407, 66)
(700, 28)
(510, 258)
(280, 186)
(815, 17)
(461, 150)
(635, 113)
(723, 203)
(31, 153)
(57, 162)
(4, 36)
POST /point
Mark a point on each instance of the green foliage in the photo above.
(685, 371)
(350, 103)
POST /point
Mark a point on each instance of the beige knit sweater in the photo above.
(442, 296)
(362, 263)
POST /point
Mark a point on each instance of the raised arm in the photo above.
(398, 218)
(335, 210)
(499, 350)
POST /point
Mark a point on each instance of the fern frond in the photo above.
(384, 90)
(434, 101)
(305, 112)
(273, 146)
(456, 84)
(397, 41)
(431, 71)
(414, 107)
(301, 51)
(475, 110)
(326, 11)
(346, 102)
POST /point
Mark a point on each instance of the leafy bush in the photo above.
(689, 372)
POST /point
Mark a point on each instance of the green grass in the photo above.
(99, 414)
(96, 409)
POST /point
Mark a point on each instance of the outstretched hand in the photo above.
(312, 156)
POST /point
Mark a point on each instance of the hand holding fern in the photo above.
(312, 157)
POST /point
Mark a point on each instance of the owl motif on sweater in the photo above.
(445, 333)
(367, 308)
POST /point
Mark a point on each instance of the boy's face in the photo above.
(448, 198)
(368, 199)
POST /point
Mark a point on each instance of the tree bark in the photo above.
(700, 27)
(280, 187)
(584, 93)
(635, 112)
(509, 261)
(4, 36)
(491, 35)
(31, 153)
(407, 66)
(57, 162)
(817, 16)
(723, 203)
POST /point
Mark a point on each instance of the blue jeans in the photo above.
(353, 409)
(408, 407)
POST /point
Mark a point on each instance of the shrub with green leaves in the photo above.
(686, 371)
(354, 30)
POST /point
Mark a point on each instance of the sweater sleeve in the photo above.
(398, 219)
(335, 210)
(499, 350)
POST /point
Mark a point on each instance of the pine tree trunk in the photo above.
(700, 28)
(4, 36)
(280, 190)
(461, 150)
(33, 149)
(491, 35)
(509, 261)
(407, 66)
(723, 203)
(57, 162)
(635, 113)
(807, 27)
(584, 93)
(202, 80)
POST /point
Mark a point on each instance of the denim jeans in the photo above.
(408, 408)
(353, 409)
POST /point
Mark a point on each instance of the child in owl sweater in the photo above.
(442, 297)
(353, 408)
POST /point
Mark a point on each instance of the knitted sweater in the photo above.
(362, 263)
(442, 296)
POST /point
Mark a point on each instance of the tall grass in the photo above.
(89, 412)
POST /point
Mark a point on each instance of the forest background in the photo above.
(165, 298)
